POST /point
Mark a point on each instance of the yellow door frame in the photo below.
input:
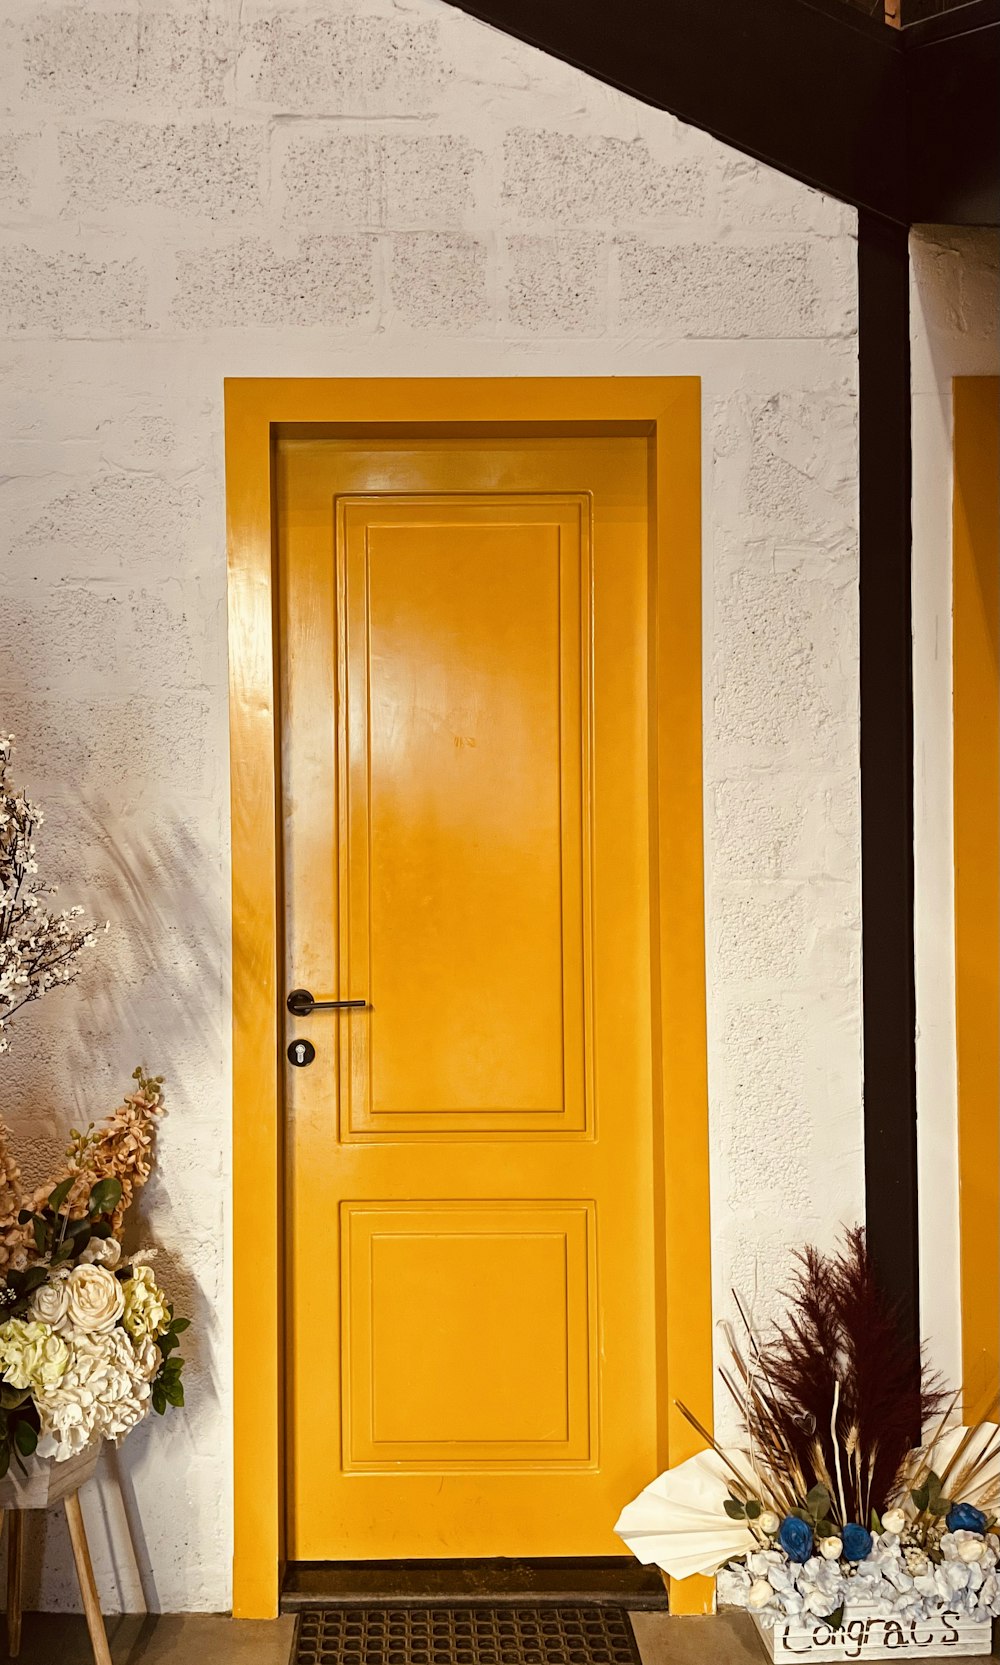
(976, 754)
(668, 410)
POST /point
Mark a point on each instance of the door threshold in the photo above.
(553, 1581)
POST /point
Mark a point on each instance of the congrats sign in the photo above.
(877, 1636)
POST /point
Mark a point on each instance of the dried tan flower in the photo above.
(120, 1147)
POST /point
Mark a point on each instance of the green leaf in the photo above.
(921, 1497)
(4, 1458)
(938, 1506)
(174, 1393)
(876, 1521)
(734, 1509)
(179, 1325)
(836, 1619)
(59, 1195)
(40, 1231)
(818, 1502)
(25, 1437)
(753, 1507)
(159, 1400)
(24, 1215)
(12, 1397)
(105, 1196)
(825, 1529)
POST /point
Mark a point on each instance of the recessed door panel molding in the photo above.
(465, 801)
(433, 1299)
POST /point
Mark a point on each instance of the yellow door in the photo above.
(470, 1194)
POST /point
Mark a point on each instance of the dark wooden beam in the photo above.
(812, 87)
(890, 1096)
(898, 122)
(952, 65)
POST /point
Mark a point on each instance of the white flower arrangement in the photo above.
(88, 1339)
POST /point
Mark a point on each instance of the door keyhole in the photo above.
(301, 1053)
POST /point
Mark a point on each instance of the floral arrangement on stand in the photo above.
(88, 1339)
(842, 1537)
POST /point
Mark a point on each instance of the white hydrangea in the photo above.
(103, 1393)
(966, 1581)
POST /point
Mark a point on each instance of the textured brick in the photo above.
(132, 520)
(329, 177)
(115, 745)
(15, 168)
(344, 65)
(767, 827)
(427, 182)
(439, 282)
(348, 179)
(558, 285)
(103, 630)
(774, 667)
(763, 1059)
(762, 934)
(327, 281)
(89, 58)
(205, 168)
(705, 289)
(748, 193)
(787, 461)
(68, 293)
(569, 180)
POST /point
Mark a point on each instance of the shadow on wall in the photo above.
(154, 991)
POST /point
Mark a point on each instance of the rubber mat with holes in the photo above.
(466, 1636)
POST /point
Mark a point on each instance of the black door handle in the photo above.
(302, 1004)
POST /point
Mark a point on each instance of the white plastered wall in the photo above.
(954, 331)
(368, 188)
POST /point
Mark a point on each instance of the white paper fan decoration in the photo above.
(679, 1522)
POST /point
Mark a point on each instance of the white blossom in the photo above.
(103, 1393)
(38, 948)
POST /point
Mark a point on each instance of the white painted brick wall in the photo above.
(369, 188)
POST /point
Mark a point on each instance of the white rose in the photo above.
(971, 1550)
(95, 1300)
(831, 1549)
(760, 1593)
(49, 1303)
(894, 1520)
(101, 1251)
(768, 1522)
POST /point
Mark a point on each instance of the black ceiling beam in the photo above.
(953, 137)
(813, 87)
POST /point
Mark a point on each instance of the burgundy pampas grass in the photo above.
(839, 1329)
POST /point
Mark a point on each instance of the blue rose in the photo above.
(962, 1517)
(857, 1541)
(795, 1537)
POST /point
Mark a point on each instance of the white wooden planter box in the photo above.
(870, 1636)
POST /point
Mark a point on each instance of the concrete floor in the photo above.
(726, 1639)
(175, 1639)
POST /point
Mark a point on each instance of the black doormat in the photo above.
(465, 1636)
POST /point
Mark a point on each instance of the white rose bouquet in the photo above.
(88, 1339)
